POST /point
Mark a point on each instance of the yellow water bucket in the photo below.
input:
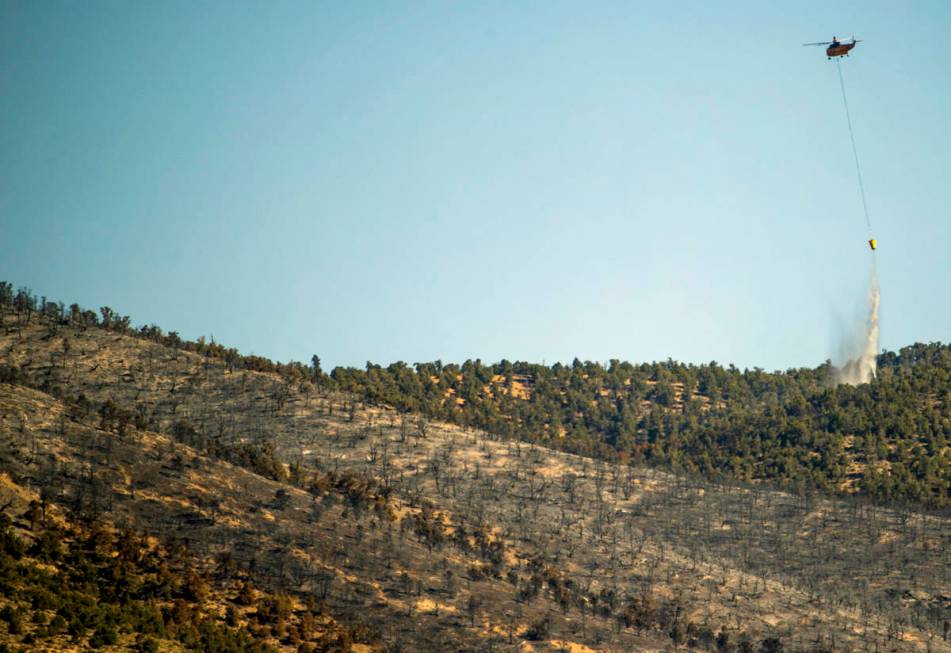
(873, 244)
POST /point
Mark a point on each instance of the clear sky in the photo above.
(525, 180)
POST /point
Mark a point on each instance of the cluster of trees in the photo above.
(28, 307)
(887, 439)
(95, 587)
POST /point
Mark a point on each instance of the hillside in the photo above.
(887, 440)
(415, 534)
(71, 585)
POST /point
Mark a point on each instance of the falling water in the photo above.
(863, 345)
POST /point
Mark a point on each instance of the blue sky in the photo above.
(532, 181)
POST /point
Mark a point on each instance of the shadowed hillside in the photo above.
(76, 586)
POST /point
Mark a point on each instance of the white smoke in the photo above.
(862, 349)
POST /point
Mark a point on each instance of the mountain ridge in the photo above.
(889, 440)
(447, 537)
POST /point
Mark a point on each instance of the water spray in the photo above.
(860, 366)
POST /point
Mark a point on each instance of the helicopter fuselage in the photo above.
(839, 49)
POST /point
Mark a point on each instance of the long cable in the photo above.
(855, 153)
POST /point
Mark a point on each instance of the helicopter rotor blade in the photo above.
(821, 43)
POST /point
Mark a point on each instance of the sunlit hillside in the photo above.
(274, 508)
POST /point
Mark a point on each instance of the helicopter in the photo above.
(836, 47)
